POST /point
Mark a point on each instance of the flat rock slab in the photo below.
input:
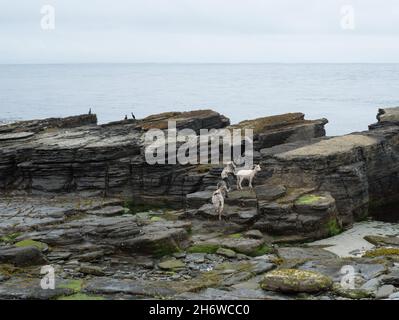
(298, 253)
(334, 268)
(197, 199)
(270, 192)
(28, 288)
(351, 243)
(241, 244)
(235, 213)
(382, 241)
(16, 136)
(235, 294)
(35, 212)
(328, 147)
(103, 285)
(108, 211)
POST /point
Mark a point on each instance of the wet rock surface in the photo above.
(90, 261)
(80, 198)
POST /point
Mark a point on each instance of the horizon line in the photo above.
(184, 63)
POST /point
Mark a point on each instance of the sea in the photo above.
(348, 95)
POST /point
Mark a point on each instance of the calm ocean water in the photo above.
(348, 95)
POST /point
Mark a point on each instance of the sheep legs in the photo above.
(250, 183)
(239, 181)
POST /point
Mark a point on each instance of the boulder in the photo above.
(352, 168)
(311, 215)
(385, 291)
(295, 281)
(22, 256)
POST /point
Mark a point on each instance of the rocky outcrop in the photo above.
(280, 129)
(107, 159)
(115, 247)
(35, 126)
(386, 117)
(54, 156)
(358, 170)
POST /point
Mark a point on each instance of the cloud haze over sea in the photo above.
(199, 31)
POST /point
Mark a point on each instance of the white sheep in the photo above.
(218, 202)
(246, 175)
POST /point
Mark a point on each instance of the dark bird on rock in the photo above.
(133, 116)
(126, 117)
(90, 111)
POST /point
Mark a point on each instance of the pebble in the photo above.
(385, 291)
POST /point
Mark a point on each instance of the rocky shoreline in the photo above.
(80, 197)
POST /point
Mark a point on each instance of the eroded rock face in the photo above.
(69, 156)
(386, 117)
(275, 130)
(310, 185)
(357, 169)
(75, 224)
(74, 155)
(312, 215)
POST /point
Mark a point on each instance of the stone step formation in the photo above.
(80, 197)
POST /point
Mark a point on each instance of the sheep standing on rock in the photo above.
(227, 172)
(222, 185)
(218, 202)
(246, 175)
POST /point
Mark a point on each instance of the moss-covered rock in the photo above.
(9, 238)
(295, 281)
(382, 241)
(261, 250)
(32, 243)
(308, 199)
(80, 296)
(156, 219)
(164, 249)
(171, 264)
(382, 252)
(333, 227)
(226, 252)
(236, 242)
(236, 235)
(73, 284)
(203, 248)
(355, 294)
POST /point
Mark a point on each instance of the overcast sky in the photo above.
(199, 31)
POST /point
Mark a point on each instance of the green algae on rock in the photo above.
(80, 296)
(32, 243)
(171, 264)
(295, 281)
(308, 199)
(382, 252)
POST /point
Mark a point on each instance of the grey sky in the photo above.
(199, 31)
